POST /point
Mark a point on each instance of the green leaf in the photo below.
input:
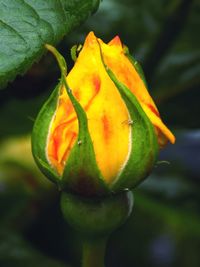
(26, 25)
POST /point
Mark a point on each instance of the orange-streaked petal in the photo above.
(63, 132)
(125, 72)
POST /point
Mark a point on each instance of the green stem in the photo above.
(93, 253)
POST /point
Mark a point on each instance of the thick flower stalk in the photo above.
(98, 134)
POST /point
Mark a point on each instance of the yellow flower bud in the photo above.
(123, 122)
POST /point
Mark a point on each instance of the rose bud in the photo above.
(100, 130)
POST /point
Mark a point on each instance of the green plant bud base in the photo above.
(95, 219)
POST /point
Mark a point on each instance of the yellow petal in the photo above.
(106, 112)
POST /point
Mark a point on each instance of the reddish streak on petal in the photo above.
(66, 104)
(153, 110)
(70, 121)
(77, 95)
(73, 135)
(97, 84)
(57, 138)
(106, 128)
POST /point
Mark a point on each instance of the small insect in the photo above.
(69, 90)
(79, 142)
(129, 122)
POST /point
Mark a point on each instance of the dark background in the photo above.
(164, 228)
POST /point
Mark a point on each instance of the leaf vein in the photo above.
(13, 30)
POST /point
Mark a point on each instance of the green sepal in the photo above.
(144, 148)
(81, 173)
(144, 144)
(40, 135)
(96, 217)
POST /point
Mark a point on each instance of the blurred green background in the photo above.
(164, 228)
